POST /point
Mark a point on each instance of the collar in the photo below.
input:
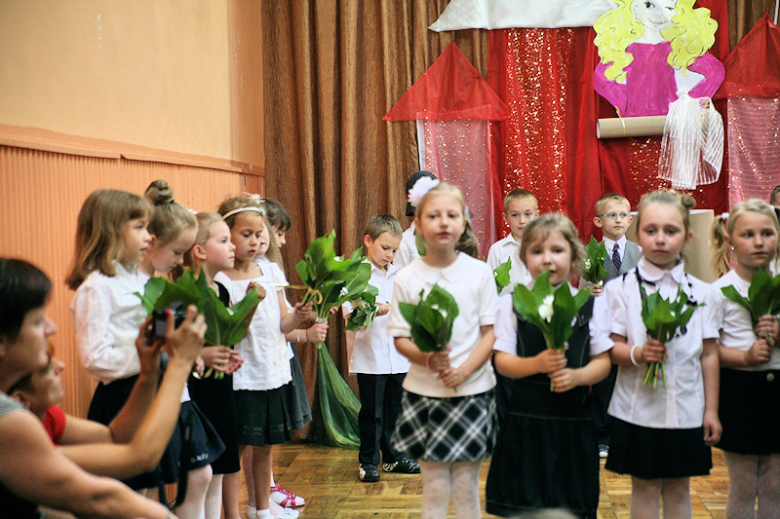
(510, 241)
(451, 273)
(610, 244)
(652, 273)
(390, 268)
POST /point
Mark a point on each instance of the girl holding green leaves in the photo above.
(750, 362)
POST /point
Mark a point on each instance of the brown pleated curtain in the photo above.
(332, 69)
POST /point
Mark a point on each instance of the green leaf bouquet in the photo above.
(592, 267)
(763, 296)
(501, 274)
(225, 326)
(662, 319)
(332, 280)
(431, 319)
(549, 309)
(364, 309)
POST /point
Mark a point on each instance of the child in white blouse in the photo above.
(750, 363)
(447, 419)
(263, 382)
(111, 244)
(661, 436)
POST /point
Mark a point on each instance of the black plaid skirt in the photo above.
(446, 429)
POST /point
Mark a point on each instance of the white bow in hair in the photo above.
(420, 188)
(255, 196)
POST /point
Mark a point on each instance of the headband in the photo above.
(242, 209)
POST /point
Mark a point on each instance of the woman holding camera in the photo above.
(32, 471)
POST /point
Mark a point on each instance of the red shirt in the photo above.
(54, 423)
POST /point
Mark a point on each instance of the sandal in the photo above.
(286, 498)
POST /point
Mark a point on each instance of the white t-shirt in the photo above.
(373, 351)
(498, 254)
(681, 404)
(264, 349)
(281, 281)
(407, 252)
(106, 317)
(470, 282)
(736, 327)
(506, 329)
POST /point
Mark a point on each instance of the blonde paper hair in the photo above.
(99, 240)
(691, 35)
(721, 254)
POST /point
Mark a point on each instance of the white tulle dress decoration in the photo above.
(692, 146)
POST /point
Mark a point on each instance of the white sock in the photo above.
(437, 485)
(264, 514)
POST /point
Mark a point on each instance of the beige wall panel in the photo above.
(144, 72)
(40, 196)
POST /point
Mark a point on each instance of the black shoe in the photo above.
(368, 473)
(402, 466)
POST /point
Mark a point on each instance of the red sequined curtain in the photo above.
(545, 76)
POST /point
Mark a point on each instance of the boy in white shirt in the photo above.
(520, 207)
(379, 367)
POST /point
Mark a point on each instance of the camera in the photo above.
(160, 320)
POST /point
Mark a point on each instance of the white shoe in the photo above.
(287, 513)
(251, 512)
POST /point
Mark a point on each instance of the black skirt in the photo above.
(750, 411)
(262, 416)
(106, 403)
(658, 453)
(215, 399)
(546, 455)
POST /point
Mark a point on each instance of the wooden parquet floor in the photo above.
(327, 478)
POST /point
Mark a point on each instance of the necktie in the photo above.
(616, 257)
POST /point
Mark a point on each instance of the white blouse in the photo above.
(106, 317)
(407, 252)
(681, 404)
(736, 327)
(470, 282)
(264, 349)
(373, 351)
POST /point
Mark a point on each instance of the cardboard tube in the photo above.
(630, 127)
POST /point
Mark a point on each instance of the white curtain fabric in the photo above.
(506, 14)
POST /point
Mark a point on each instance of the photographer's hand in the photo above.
(185, 342)
(148, 351)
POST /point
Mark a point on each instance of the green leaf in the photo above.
(501, 274)
(592, 267)
(431, 320)
(225, 326)
(763, 296)
(364, 310)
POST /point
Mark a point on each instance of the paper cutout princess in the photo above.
(652, 49)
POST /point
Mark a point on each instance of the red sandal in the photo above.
(285, 498)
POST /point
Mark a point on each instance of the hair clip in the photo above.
(420, 189)
(724, 216)
(255, 197)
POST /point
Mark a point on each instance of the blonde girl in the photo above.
(212, 253)
(661, 436)
(547, 454)
(750, 363)
(111, 240)
(262, 384)
(447, 419)
(173, 229)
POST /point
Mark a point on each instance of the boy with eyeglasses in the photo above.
(613, 217)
